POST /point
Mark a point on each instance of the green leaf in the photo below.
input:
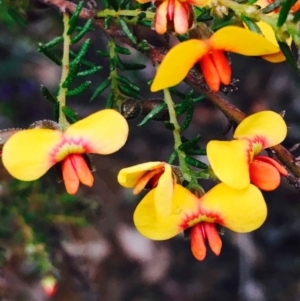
(150, 116)
(284, 11)
(87, 27)
(16, 16)
(50, 54)
(141, 16)
(188, 117)
(110, 101)
(172, 158)
(103, 53)
(271, 7)
(114, 4)
(101, 88)
(286, 50)
(107, 22)
(79, 89)
(124, 4)
(128, 83)
(196, 163)
(127, 31)
(296, 16)
(82, 61)
(251, 25)
(74, 18)
(82, 52)
(126, 90)
(54, 42)
(185, 146)
(133, 66)
(71, 115)
(89, 71)
(71, 76)
(198, 152)
(46, 93)
(122, 50)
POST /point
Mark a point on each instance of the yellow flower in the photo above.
(174, 14)
(150, 175)
(237, 164)
(239, 210)
(29, 154)
(210, 55)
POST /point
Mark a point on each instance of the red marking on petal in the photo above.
(148, 180)
(197, 242)
(210, 73)
(171, 9)
(70, 176)
(222, 65)
(213, 237)
(264, 175)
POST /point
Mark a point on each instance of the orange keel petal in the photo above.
(84, 174)
(222, 65)
(70, 176)
(210, 72)
(197, 242)
(213, 237)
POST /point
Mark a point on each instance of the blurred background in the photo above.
(88, 242)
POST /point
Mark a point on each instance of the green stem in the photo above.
(176, 133)
(61, 98)
(127, 13)
(114, 73)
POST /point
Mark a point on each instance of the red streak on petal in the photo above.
(197, 242)
(70, 176)
(210, 72)
(171, 9)
(213, 237)
(222, 65)
(148, 180)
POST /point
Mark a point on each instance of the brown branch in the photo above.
(156, 56)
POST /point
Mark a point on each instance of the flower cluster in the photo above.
(236, 203)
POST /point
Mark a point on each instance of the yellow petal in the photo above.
(128, 177)
(164, 193)
(266, 126)
(143, 1)
(27, 154)
(145, 218)
(269, 34)
(239, 210)
(230, 161)
(103, 132)
(249, 43)
(177, 63)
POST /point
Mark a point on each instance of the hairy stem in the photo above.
(61, 98)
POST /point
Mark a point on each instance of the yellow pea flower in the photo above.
(237, 163)
(150, 175)
(174, 14)
(239, 210)
(29, 154)
(210, 55)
